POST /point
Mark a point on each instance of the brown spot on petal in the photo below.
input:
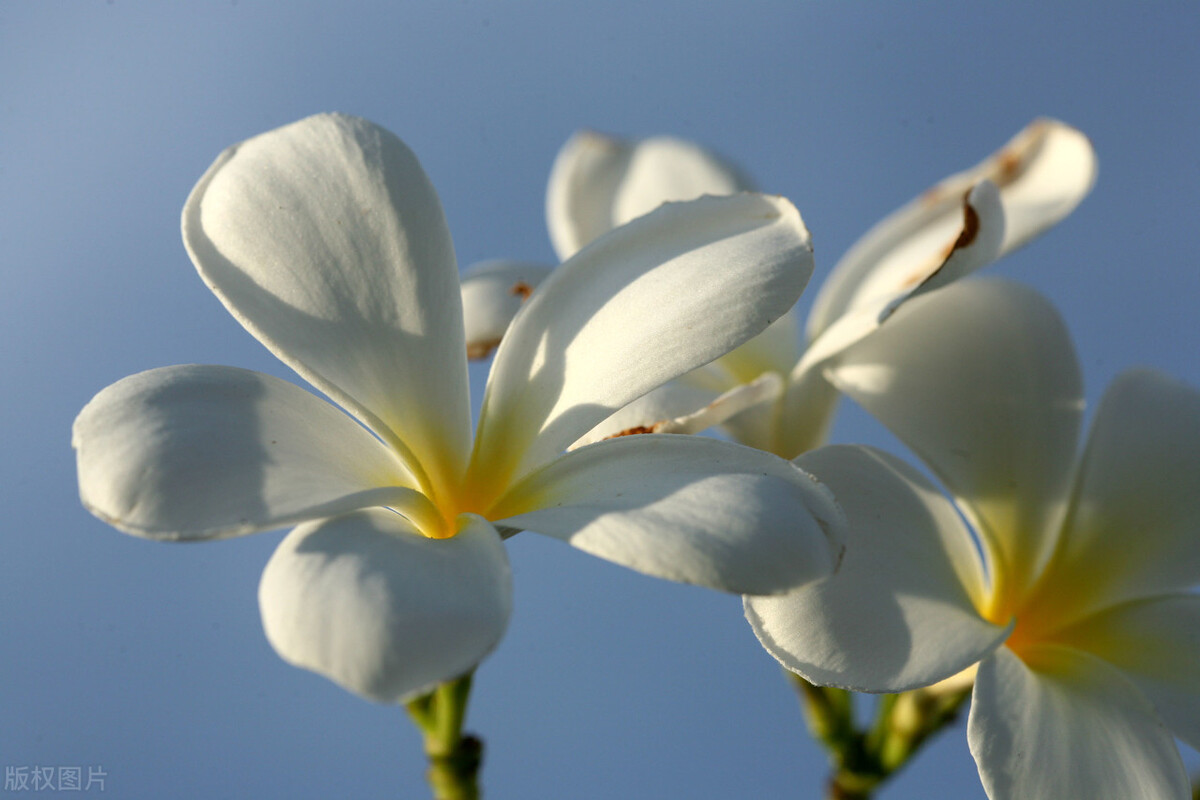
(1008, 167)
(636, 429)
(933, 195)
(970, 228)
(521, 289)
(601, 141)
(479, 350)
(1009, 164)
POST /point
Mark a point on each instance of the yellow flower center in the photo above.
(1040, 611)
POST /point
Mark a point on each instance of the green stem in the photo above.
(454, 758)
(828, 712)
(863, 760)
(912, 720)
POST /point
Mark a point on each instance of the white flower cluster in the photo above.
(1067, 603)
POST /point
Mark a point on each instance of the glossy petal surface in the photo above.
(685, 508)
(200, 452)
(326, 241)
(381, 610)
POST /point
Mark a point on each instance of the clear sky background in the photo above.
(149, 660)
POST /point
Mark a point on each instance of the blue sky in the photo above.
(149, 659)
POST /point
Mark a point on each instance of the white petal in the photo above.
(583, 183)
(1156, 643)
(681, 407)
(757, 399)
(981, 381)
(1134, 529)
(492, 294)
(377, 608)
(974, 244)
(326, 241)
(685, 508)
(641, 306)
(900, 612)
(651, 412)
(599, 183)
(200, 452)
(664, 169)
(777, 349)
(1068, 725)
(1043, 173)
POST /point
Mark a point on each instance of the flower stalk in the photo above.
(454, 757)
(862, 760)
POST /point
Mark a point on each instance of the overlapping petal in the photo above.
(651, 412)
(1062, 723)
(645, 304)
(981, 381)
(1156, 643)
(598, 183)
(198, 452)
(974, 244)
(683, 407)
(1134, 529)
(901, 611)
(953, 229)
(1043, 173)
(326, 241)
(685, 508)
(777, 349)
(367, 601)
(492, 294)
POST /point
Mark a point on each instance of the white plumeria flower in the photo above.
(326, 241)
(1076, 600)
(770, 393)
(597, 184)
